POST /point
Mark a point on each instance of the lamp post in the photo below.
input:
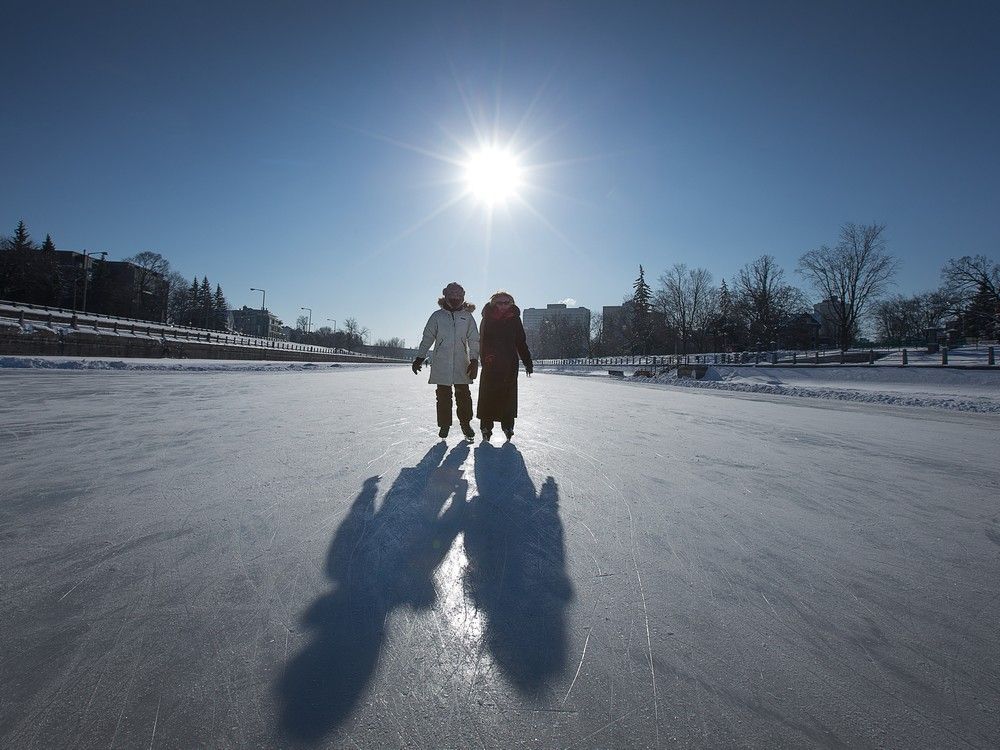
(309, 325)
(86, 273)
(333, 338)
(263, 312)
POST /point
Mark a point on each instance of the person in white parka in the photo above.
(455, 337)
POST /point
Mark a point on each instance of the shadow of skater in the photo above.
(516, 574)
(378, 562)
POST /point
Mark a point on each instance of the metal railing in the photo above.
(781, 358)
(24, 312)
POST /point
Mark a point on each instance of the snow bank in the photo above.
(976, 391)
(177, 365)
(928, 387)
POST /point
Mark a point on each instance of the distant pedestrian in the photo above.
(503, 343)
(453, 333)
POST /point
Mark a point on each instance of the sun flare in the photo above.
(493, 175)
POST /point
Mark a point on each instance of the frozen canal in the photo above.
(270, 559)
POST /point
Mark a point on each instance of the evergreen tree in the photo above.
(727, 325)
(643, 296)
(49, 275)
(641, 320)
(220, 307)
(15, 266)
(725, 300)
(26, 275)
(981, 315)
(205, 303)
(192, 303)
(21, 240)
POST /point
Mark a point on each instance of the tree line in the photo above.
(351, 336)
(141, 286)
(759, 307)
(756, 308)
(29, 272)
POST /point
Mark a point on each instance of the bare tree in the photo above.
(302, 322)
(905, 320)
(597, 345)
(150, 263)
(851, 275)
(393, 347)
(151, 289)
(973, 285)
(178, 298)
(705, 323)
(560, 337)
(355, 333)
(764, 303)
(965, 276)
(686, 299)
(897, 319)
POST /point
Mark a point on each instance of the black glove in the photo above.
(473, 369)
(529, 369)
(417, 364)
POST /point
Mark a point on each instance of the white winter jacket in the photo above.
(455, 338)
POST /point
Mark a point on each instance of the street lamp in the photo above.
(264, 323)
(310, 324)
(263, 296)
(334, 321)
(86, 273)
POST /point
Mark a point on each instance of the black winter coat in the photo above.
(501, 342)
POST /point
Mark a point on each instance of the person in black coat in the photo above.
(501, 342)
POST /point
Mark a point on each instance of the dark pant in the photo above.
(464, 398)
(486, 425)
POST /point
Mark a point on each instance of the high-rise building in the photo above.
(557, 330)
(614, 327)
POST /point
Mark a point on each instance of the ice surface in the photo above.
(278, 559)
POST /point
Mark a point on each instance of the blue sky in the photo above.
(309, 148)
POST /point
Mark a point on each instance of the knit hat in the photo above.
(454, 288)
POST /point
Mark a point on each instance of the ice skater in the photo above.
(502, 343)
(455, 337)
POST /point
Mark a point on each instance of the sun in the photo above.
(493, 175)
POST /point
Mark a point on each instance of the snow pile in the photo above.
(173, 365)
(960, 390)
(929, 387)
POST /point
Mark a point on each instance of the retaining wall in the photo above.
(90, 344)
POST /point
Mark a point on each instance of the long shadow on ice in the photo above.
(378, 562)
(516, 574)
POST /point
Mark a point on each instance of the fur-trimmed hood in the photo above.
(467, 307)
(489, 311)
